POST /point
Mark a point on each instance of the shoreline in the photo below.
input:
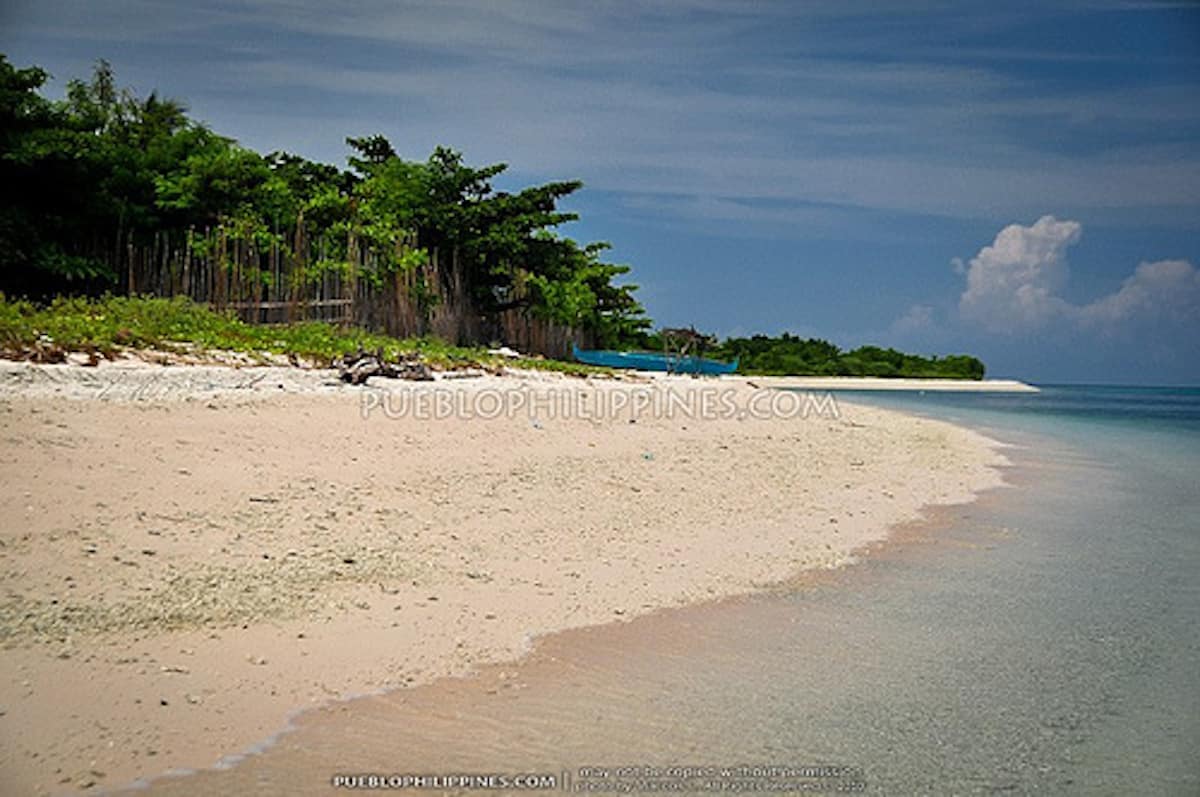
(554, 662)
(186, 560)
(871, 383)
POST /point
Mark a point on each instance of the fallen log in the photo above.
(358, 368)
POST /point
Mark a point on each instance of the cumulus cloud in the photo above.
(1011, 285)
(1168, 288)
(1014, 285)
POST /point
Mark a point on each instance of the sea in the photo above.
(1044, 639)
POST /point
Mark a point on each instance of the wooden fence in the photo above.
(276, 284)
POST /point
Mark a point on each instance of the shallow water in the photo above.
(1044, 638)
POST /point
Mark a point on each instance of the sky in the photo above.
(1019, 181)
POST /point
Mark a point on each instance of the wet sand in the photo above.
(187, 566)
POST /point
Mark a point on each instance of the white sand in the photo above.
(189, 555)
(907, 385)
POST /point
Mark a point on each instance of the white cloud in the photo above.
(918, 318)
(1011, 284)
(1164, 288)
(1014, 285)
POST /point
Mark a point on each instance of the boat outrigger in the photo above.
(650, 361)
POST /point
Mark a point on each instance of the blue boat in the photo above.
(650, 361)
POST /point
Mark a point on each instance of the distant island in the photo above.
(788, 355)
(110, 195)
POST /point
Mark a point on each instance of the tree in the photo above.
(103, 175)
(50, 161)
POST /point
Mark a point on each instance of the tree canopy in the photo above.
(102, 170)
(791, 355)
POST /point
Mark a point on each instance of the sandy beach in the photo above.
(864, 383)
(191, 555)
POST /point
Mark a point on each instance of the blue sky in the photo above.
(1019, 181)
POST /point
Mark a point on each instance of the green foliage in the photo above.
(103, 169)
(47, 165)
(100, 171)
(318, 271)
(219, 180)
(790, 355)
(110, 323)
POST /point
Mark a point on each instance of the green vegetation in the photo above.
(793, 356)
(107, 325)
(106, 192)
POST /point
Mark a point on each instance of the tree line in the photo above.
(792, 355)
(105, 190)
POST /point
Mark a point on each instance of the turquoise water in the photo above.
(1045, 639)
(1073, 412)
(1105, 587)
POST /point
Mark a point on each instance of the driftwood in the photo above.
(357, 368)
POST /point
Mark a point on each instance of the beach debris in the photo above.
(44, 350)
(357, 368)
(505, 351)
(86, 359)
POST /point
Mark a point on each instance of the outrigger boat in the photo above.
(650, 361)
